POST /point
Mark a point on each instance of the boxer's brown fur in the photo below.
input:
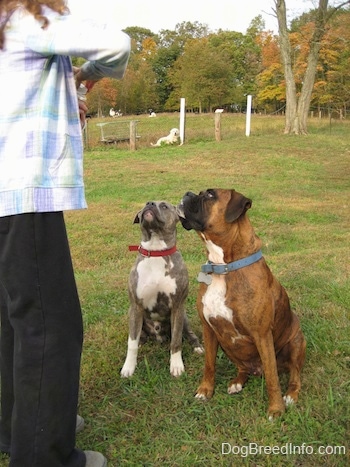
(246, 311)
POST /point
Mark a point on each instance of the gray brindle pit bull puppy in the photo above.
(158, 288)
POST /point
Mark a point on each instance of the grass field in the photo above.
(301, 203)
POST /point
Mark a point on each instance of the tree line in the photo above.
(219, 69)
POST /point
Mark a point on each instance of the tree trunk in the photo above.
(286, 54)
(307, 87)
(297, 109)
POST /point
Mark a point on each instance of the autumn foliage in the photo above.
(218, 69)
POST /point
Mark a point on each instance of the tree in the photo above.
(242, 53)
(333, 84)
(137, 90)
(297, 106)
(271, 94)
(162, 63)
(170, 47)
(204, 85)
(102, 97)
(138, 36)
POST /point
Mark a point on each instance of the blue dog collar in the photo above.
(212, 268)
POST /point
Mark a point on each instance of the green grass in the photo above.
(301, 201)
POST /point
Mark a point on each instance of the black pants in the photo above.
(41, 342)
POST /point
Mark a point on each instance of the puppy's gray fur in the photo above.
(158, 288)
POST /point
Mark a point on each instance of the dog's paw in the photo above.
(204, 392)
(176, 364)
(275, 411)
(288, 400)
(177, 371)
(199, 349)
(201, 397)
(234, 388)
(127, 371)
(274, 415)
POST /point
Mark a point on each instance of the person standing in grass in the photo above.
(41, 176)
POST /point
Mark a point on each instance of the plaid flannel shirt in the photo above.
(41, 151)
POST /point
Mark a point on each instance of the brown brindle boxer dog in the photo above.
(243, 308)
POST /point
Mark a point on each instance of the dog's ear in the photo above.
(237, 206)
(137, 218)
(179, 212)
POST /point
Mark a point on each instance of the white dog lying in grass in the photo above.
(173, 137)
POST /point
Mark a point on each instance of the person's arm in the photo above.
(105, 48)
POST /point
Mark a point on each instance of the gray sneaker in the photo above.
(95, 459)
(79, 425)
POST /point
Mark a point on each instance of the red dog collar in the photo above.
(149, 253)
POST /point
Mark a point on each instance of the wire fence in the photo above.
(198, 127)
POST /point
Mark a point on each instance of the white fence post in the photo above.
(248, 116)
(182, 119)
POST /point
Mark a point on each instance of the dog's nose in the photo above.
(150, 203)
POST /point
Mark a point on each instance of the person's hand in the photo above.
(79, 79)
(82, 113)
(81, 96)
(89, 84)
(77, 76)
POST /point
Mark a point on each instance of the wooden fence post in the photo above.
(218, 126)
(133, 138)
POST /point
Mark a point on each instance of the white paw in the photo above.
(201, 397)
(177, 371)
(176, 364)
(234, 388)
(127, 370)
(199, 350)
(131, 358)
(288, 400)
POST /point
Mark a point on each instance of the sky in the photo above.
(233, 15)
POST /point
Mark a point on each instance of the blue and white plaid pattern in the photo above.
(41, 153)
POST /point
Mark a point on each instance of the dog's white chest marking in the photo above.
(214, 299)
(215, 252)
(154, 278)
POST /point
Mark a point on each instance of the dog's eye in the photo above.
(209, 194)
(164, 206)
